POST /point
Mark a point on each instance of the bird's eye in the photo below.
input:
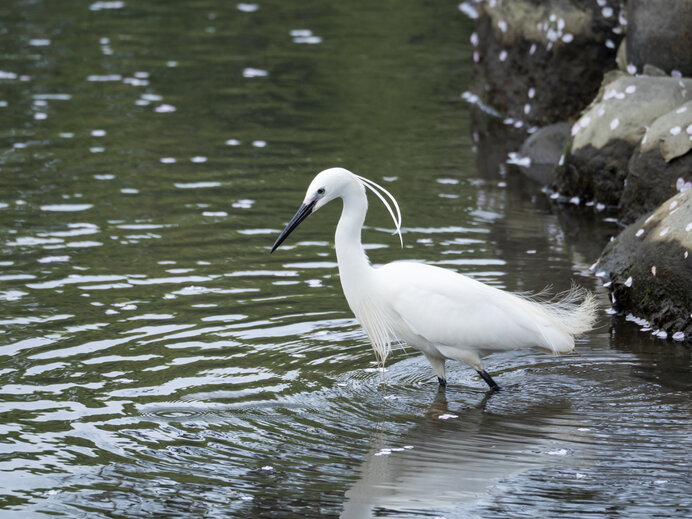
(320, 191)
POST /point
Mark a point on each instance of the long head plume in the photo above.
(376, 188)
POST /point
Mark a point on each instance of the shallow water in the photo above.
(156, 360)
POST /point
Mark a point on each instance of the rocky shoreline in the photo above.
(598, 95)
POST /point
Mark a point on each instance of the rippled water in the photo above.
(156, 360)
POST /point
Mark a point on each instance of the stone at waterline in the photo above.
(649, 265)
(541, 152)
(659, 164)
(606, 134)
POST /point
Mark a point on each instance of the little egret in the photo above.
(443, 314)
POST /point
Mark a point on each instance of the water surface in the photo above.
(156, 360)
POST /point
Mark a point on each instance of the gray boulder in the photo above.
(649, 268)
(660, 34)
(540, 153)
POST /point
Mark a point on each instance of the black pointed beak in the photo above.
(302, 214)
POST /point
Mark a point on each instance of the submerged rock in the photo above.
(541, 61)
(607, 133)
(540, 154)
(650, 268)
(660, 34)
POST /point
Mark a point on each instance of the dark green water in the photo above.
(155, 360)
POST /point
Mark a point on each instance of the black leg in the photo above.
(489, 380)
(442, 381)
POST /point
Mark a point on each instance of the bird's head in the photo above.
(326, 186)
(330, 184)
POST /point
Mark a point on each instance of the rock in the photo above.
(541, 152)
(650, 181)
(649, 266)
(607, 133)
(671, 133)
(542, 62)
(658, 164)
(660, 33)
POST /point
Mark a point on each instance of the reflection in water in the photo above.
(156, 361)
(460, 457)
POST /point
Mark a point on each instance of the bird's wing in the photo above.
(449, 309)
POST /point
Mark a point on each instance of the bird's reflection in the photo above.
(458, 455)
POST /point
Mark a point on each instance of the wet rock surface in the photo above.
(650, 270)
(607, 133)
(542, 151)
(660, 34)
(542, 62)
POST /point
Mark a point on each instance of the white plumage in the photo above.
(443, 314)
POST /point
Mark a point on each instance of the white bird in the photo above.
(445, 315)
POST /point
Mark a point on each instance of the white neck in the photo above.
(353, 262)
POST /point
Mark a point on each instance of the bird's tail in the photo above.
(574, 312)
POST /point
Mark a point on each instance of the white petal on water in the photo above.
(532, 50)
(631, 89)
(40, 116)
(198, 159)
(681, 110)
(447, 416)
(557, 452)
(39, 42)
(167, 160)
(503, 55)
(98, 133)
(639, 233)
(99, 6)
(614, 123)
(610, 44)
(259, 144)
(653, 270)
(129, 191)
(247, 8)
(66, 207)
(103, 78)
(254, 72)
(105, 176)
(664, 232)
(628, 282)
(215, 213)
(675, 130)
(532, 93)
(607, 12)
(574, 200)
(568, 38)
(688, 227)
(298, 33)
(309, 40)
(165, 108)
(474, 39)
(141, 75)
(152, 97)
(267, 467)
(673, 205)
(631, 69)
(97, 149)
(678, 336)
(502, 25)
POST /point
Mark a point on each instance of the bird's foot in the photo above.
(442, 381)
(488, 379)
